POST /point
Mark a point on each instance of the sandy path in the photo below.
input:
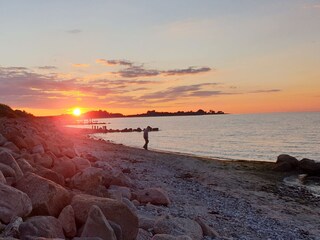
(239, 200)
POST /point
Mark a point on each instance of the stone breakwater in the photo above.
(49, 189)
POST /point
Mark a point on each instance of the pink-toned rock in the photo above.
(24, 165)
(68, 222)
(3, 140)
(41, 226)
(65, 167)
(113, 210)
(19, 142)
(7, 159)
(156, 196)
(81, 163)
(48, 198)
(2, 178)
(38, 149)
(44, 160)
(7, 171)
(97, 225)
(51, 175)
(30, 141)
(51, 147)
(88, 179)
(178, 226)
(69, 152)
(11, 146)
(13, 203)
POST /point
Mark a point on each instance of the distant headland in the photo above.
(153, 113)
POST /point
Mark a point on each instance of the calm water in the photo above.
(246, 136)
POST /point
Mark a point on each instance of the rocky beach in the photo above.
(58, 183)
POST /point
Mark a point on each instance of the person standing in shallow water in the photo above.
(146, 137)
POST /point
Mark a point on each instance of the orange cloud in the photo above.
(80, 65)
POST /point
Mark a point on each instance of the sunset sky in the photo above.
(132, 56)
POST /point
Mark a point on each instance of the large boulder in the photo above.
(68, 222)
(69, 152)
(309, 166)
(48, 198)
(97, 225)
(52, 147)
(38, 149)
(113, 210)
(19, 142)
(43, 159)
(156, 196)
(81, 163)
(117, 178)
(87, 180)
(3, 140)
(51, 175)
(41, 226)
(7, 171)
(288, 160)
(2, 178)
(178, 226)
(65, 167)
(13, 203)
(120, 191)
(11, 146)
(8, 159)
(24, 165)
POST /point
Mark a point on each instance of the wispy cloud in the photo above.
(114, 62)
(134, 70)
(266, 91)
(47, 67)
(80, 65)
(185, 91)
(189, 70)
(74, 31)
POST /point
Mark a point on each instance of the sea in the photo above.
(257, 137)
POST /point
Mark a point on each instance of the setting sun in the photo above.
(76, 112)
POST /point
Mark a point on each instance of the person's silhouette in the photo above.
(146, 137)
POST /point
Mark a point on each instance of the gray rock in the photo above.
(48, 198)
(143, 235)
(12, 229)
(309, 166)
(113, 210)
(156, 196)
(97, 225)
(8, 159)
(13, 203)
(11, 146)
(2, 178)
(41, 226)
(81, 163)
(68, 222)
(3, 140)
(88, 179)
(177, 227)
(38, 149)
